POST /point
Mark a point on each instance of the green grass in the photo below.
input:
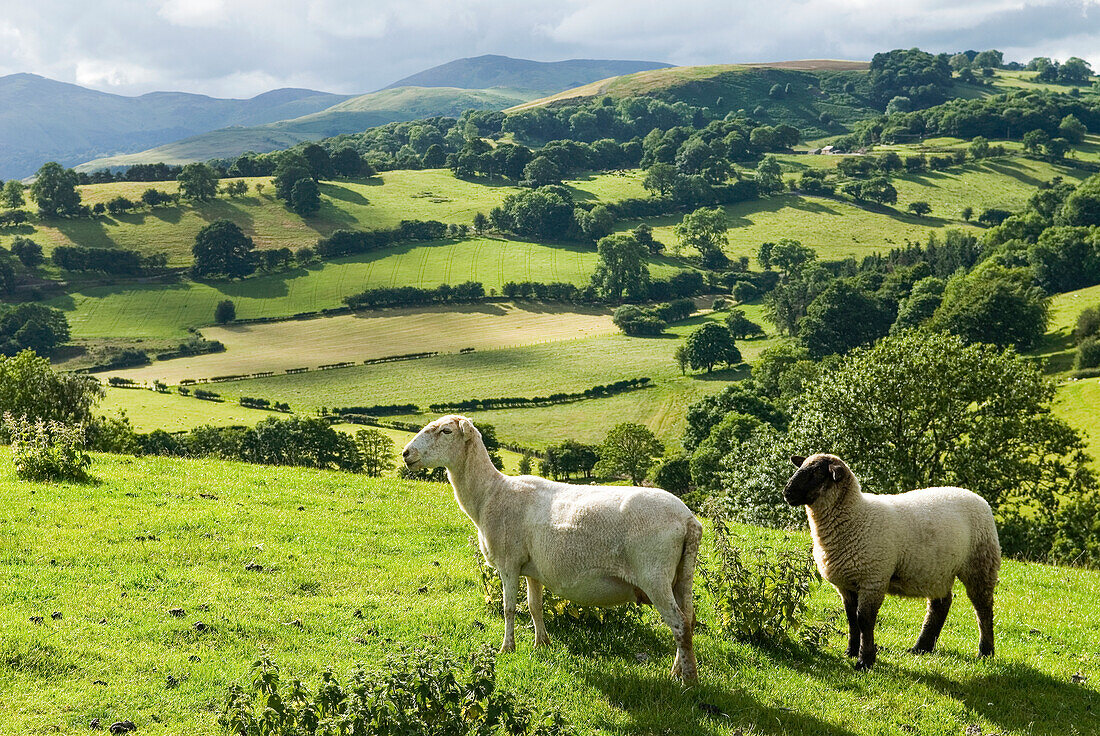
(166, 310)
(381, 202)
(279, 346)
(535, 370)
(371, 545)
(1077, 402)
(1058, 347)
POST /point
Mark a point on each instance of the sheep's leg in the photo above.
(982, 598)
(534, 602)
(933, 624)
(866, 615)
(684, 666)
(511, 589)
(851, 602)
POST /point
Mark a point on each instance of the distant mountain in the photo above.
(350, 116)
(483, 72)
(42, 119)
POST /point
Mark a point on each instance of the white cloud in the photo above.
(243, 47)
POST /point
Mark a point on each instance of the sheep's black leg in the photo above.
(851, 602)
(982, 598)
(866, 615)
(933, 624)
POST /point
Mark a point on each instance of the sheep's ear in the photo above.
(837, 471)
(797, 460)
(467, 428)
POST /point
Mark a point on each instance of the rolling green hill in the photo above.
(349, 116)
(154, 534)
(42, 119)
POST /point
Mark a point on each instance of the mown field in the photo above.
(278, 346)
(116, 554)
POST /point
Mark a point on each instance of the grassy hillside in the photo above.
(348, 116)
(380, 202)
(816, 89)
(115, 555)
(490, 70)
(165, 311)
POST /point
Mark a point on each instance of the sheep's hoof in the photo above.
(853, 652)
(985, 651)
(862, 666)
(542, 641)
(508, 646)
(920, 649)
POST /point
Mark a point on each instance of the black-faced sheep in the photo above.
(910, 544)
(595, 545)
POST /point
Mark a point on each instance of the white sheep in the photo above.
(594, 545)
(910, 544)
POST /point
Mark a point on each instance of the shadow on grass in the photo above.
(655, 698)
(737, 373)
(1020, 698)
(344, 194)
(623, 637)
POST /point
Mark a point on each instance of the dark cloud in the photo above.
(242, 47)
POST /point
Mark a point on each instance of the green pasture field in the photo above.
(380, 202)
(835, 228)
(115, 555)
(164, 311)
(279, 346)
(1058, 347)
(1078, 402)
(534, 370)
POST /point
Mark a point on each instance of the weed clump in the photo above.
(422, 691)
(47, 450)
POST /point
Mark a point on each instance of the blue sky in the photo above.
(244, 47)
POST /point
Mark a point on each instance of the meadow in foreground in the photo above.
(150, 535)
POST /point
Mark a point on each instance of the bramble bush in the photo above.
(47, 450)
(421, 691)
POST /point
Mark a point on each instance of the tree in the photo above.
(347, 162)
(525, 464)
(710, 345)
(481, 222)
(673, 474)
(376, 450)
(301, 441)
(991, 59)
(435, 157)
(741, 327)
(660, 178)
(54, 190)
(541, 171)
(680, 355)
(27, 251)
(967, 213)
(920, 208)
(305, 197)
(629, 449)
(198, 182)
(318, 161)
(634, 320)
(30, 387)
(225, 312)
(1082, 207)
(1065, 258)
(291, 168)
(920, 410)
(769, 177)
(222, 249)
(994, 304)
(1035, 140)
(595, 223)
(30, 326)
(622, 268)
(12, 194)
(644, 235)
(1071, 128)
(705, 231)
(842, 317)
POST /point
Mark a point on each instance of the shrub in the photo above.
(1088, 354)
(421, 691)
(225, 312)
(761, 592)
(1088, 324)
(47, 450)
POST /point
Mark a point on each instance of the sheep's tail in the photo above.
(685, 571)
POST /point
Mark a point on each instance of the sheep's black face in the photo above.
(809, 481)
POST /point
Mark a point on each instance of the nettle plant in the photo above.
(47, 450)
(761, 592)
(419, 692)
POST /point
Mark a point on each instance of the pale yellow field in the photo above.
(279, 346)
